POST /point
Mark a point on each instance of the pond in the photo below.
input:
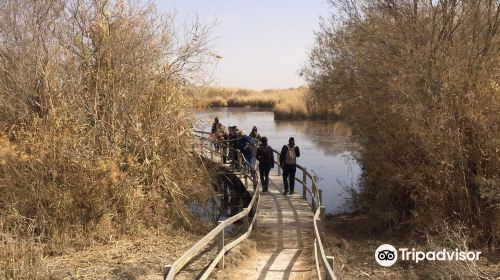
(326, 147)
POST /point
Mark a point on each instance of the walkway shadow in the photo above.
(281, 203)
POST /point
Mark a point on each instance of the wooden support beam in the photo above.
(240, 162)
(166, 270)
(331, 262)
(220, 246)
(304, 186)
(320, 191)
(322, 222)
(246, 223)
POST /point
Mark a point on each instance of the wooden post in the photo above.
(220, 244)
(254, 181)
(320, 191)
(304, 186)
(166, 270)
(233, 163)
(331, 262)
(240, 162)
(317, 255)
(246, 223)
(315, 206)
(322, 221)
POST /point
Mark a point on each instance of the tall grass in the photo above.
(94, 144)
(418, 82)
(289, 104)
(228, 97)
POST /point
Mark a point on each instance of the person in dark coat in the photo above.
(265, 156)
(215, 130)
(215, 125)
(288, 161)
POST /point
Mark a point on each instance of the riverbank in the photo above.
(287, 104)
(352, 240)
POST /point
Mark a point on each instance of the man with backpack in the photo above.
(265, 156)
(288, 161)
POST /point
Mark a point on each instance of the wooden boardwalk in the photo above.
(284, 237)
(287, 233)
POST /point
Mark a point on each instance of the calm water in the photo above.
(325, 147)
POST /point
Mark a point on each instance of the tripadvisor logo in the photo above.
(387, 255)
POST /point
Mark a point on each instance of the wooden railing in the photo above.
(248, 173)
(322, 261)
(324, 264)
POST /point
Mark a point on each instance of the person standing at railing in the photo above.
(255, 135)
(215, 130)
(215, 125)
(250, 151)
(265, 156)
(232, 140)
(288, 161)
(223, 143)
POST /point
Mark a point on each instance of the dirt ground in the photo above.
(140, 258)
(352, 242)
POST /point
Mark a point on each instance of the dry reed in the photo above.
(94, 144)
(418, 82)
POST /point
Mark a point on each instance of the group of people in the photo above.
(255, 148)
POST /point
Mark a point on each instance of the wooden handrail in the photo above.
(320, 258)
(171, 270)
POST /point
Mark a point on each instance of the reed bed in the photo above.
(229, 97)
(94, 142)
(287, 104)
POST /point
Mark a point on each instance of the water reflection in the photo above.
(326, 146)
(333, 138)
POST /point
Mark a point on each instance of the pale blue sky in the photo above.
(263, 43)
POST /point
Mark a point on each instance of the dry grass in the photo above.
(423, 107)
(228, 97)
(94, 144)
(352, 239)
(292, 106)
(142, 257)
(289, 104)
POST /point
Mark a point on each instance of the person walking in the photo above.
(288, 161)
(255, 135)
(265, 156)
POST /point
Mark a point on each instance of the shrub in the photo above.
(418, 82)
(94, 143)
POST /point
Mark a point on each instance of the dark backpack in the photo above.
(266, 155)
